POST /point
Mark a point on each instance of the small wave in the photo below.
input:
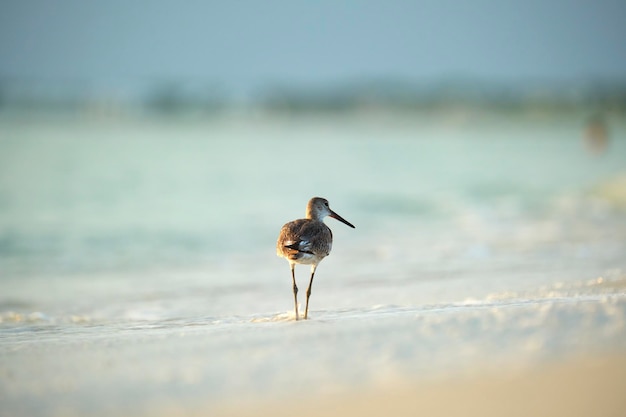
(34, 317)
(278, 317)
(612, 191)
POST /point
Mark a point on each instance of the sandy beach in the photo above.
(570, 387)
(552, 355)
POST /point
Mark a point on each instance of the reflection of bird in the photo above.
(307, 241)
(596, 135)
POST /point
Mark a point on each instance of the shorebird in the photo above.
(307, 241)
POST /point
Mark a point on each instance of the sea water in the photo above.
(138, 266)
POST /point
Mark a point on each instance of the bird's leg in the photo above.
(308, 292)
(295, 289)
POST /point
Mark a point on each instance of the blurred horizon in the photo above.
(180, 98)
(303, 56)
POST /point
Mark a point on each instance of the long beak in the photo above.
(341, 219)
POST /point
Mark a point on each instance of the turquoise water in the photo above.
(80, 195)
(87, 197)
(138, 266)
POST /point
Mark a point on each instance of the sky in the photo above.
(246, 45)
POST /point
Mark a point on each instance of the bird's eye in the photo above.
(326, 203)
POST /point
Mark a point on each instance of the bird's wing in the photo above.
(305, 236)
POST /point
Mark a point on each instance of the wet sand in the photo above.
(574, 387)
(553, 355)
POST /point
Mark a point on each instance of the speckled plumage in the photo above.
(304, 241)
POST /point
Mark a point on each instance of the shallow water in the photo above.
(138, 268)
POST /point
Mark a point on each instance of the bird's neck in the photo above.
(312, 215)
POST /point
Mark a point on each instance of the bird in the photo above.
(307, 241)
